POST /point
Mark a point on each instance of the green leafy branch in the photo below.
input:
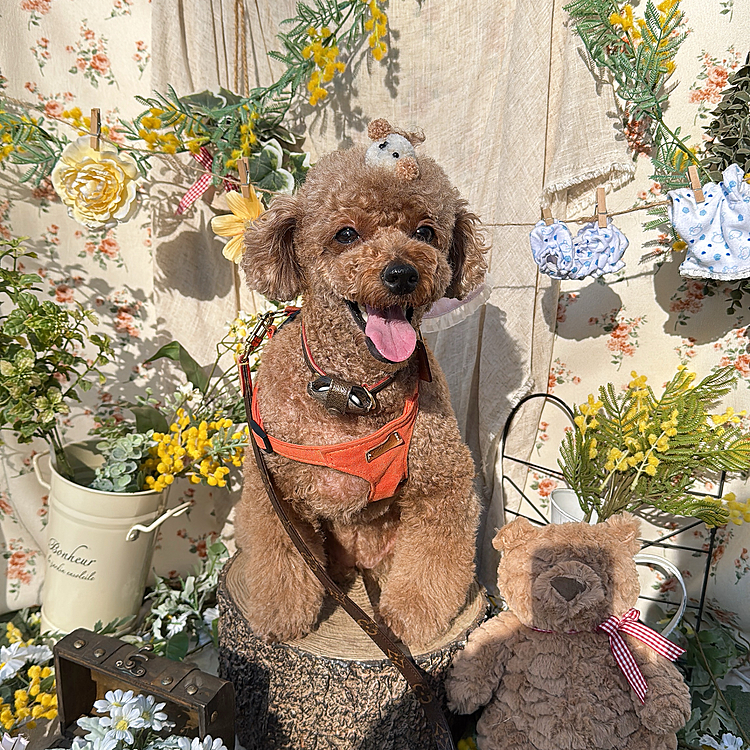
(25, 142)
(631, 449)
(639, 54)
(345, 23)
(41, 362)
(711, 653)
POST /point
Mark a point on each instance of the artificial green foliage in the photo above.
(631, 449)
(123, 459)
(710, 654)
(196, 431)
(26, 142)
(729, 130)
(183, 615)
(639, 55)
(228, 125)
(41, 364)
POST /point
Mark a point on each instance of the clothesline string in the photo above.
(585, 219)
(234, 181)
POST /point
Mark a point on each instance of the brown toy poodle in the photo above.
(373, 238)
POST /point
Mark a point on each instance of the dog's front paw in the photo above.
(413, 617)
(276, 610)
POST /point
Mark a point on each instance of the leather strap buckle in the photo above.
(340, 397)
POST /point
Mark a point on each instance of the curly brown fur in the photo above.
(417, 546)
(563, 690)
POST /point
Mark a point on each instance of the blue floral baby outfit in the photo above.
(593, 252)
(717, 231)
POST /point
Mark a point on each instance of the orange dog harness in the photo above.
(380, 458)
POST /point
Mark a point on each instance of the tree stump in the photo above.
(333, 688)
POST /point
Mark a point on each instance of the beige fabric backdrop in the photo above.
(497, 88)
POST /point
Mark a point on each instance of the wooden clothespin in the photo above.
(695, 183)
(95, 130)
(601, 207)
(547, 216)
(243, 167)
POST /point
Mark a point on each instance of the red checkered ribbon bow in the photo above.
(204, 158)
(629, 624)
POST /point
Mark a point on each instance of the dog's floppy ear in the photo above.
(270, 261)
(467, 255)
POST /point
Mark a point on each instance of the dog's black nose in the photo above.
(400, 278)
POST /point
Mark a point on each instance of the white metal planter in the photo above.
(99, 545)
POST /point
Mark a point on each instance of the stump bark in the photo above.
(333, 688)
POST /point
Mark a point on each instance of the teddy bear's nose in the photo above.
(400, 278)
(568, 588)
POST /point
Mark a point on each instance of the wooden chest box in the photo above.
(87, 665)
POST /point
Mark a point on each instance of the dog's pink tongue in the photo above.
(390, 332)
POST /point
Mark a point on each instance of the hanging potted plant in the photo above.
(107, 495)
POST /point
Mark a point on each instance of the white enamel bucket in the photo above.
(99, 546)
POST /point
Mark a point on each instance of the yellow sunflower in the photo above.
(244, 212)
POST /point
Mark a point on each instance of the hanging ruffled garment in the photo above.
(717, 230)
(593, 252)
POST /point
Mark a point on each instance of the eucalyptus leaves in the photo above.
(124, 458)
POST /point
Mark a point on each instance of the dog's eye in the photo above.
(347, 235)
(425, 233)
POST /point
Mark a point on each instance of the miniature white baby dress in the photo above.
(593, 252)
(717, 231)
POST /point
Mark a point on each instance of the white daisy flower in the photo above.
(104, 743)
(12, 658)
(113, 699)
(39, 654)
(120, 722)
(151, 712)
(177, 624)
(93, 727)
(728, 742)
(207, 743)
(190, 393)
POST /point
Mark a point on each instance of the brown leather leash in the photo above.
(413, 674)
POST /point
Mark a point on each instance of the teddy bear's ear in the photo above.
(625, 527)
(512, 534)
(467, 255)
(270, 261)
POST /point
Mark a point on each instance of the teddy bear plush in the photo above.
(546, 670)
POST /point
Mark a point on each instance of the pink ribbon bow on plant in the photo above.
(629, 624)
(204, 158)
